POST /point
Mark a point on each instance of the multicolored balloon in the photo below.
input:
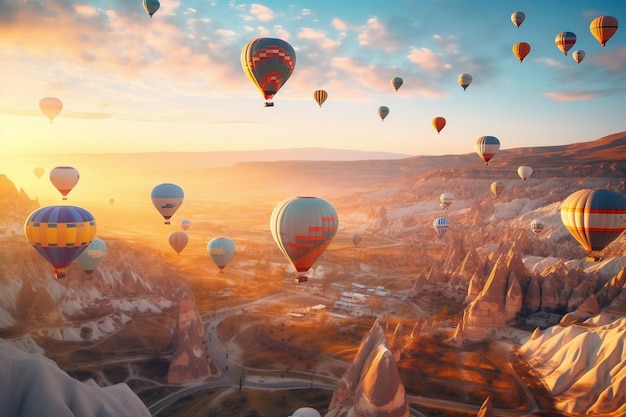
(441, 225)
(221, 250)
(521, 50)
(497, 187)
(303, 227)
(167, 199)
(518, 18)
(91, 257)
(320, 96)
(439, 123)
(486, 147)
(537, 226)
(524, 172)
(578, 56)
(383, 111)
(603, 28)
(50, 107)
(396, 82)
(185, 224)
(178, 240)
(151, 6)
(60, 234)
(446, 200)
(595, 218)
(269, 63)
(64, 179)
(564, 41)
(465, 80)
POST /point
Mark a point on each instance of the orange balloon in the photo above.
(439, 123)
(521, 50)
(603, 27)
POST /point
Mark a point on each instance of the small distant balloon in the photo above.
(356, 238)
(64, 179)
(446, 199)
(383, 111)
(603, 28)
(564, 41)
(396, 83)
(320, 96)
(167, 198)
(439, 123)
(518, 18)
(50, 107)
(524, 172)
(221, 250)
(486, 147)
(497, 187)
(537, 226)
(521, 50)
(185, 224)
(178, 240)
(441, 225)
(151, 6)
(91, 257)
(465, 80)
(38, 172)
(578, 56)
(111, 201)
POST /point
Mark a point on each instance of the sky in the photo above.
(130, 83)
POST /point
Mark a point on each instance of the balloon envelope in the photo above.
(603, 28)
(185, 224)
(167, 198)
(595, 218)
(497, 187)
(578, 56)
(60, 233)
(524, 172)
(221, 250)
(518, 18)
(268, 63)
(396, 82)
(303, 227)
(537, 226)
(64, 179)
(50, 107)
(178, 240)
(151, 6)
(521, 50)
(446, 199)
(382, 111)
(439, 123)
(486, 147)
(564, 41)
(38, 172)
(464, 80)
(320, 96)
(441, 225)
(356, 238)
(91, 257)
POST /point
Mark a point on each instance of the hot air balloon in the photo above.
(356, 238)
(111, 201)
(594, 217)
(167, 198)
(50, 107)
(91, 257)
(38, 172)
(382, 111)
(439, 123)
(537, 226)
(486, 147)
(303, 227)
(221, 250)
(185, 224)
(578, 56)
(151, 6)
(60, 234)
(269, 63)
(603, 27)
(178, 240)
(441, 225)
(320, 96)
(396, 82)
(521, 50)
(64, 179)
(465, 80)
(518, 18)
(564, 41)
(446, 199)
(497, 187)
(524, 172)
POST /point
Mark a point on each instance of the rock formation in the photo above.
(371, 387)
(486, 410)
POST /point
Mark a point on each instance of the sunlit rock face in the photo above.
(583, 366)
(31, 385)
(486, 410)
(371, 387)
(189, 363)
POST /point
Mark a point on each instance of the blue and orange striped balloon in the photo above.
(441, 225)
(564, 41)
(594, 217)
(60, 234)
(486, 147)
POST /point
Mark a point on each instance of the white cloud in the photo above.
(339, 24)
(318, 37)
(563, 96)
(226, 32)
(262, 13)
(427, 60)
(374, 34)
